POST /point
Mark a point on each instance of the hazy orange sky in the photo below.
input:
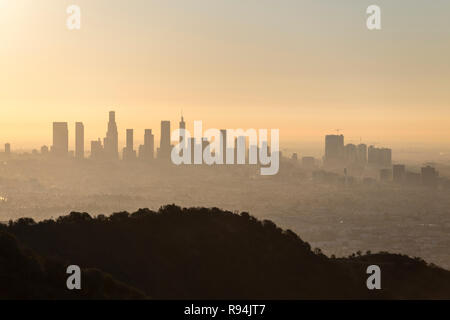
(305, 67)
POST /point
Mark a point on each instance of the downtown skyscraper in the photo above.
(111, 141)
(60, 147)
(128, 152)
(79, 140)
(146, 151)
(182, 129)
(165, 147)
(334, 148)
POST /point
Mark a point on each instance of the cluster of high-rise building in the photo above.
(428, 176)
(379, 156)
(337, 152)
(108, 148)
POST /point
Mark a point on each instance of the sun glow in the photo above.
(8, 12)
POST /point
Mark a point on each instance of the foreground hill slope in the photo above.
(201, 253)
(27, 275)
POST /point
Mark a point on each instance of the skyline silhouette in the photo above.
(303, 67)
(224, 149)
(334, 144)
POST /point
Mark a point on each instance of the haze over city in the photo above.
(87, 171)
(304, 67)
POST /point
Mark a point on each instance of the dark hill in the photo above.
(27, 275)
(213, 254)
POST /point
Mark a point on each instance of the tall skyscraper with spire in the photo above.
(182, 127)
(111, 144)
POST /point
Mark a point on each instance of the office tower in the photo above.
(264, 151)
(362, 153)
(128, 152)
(308, 162)
(386, 157)
(165, 147)
(253, 155)
(111, 144)
(79, 140)
(334, 148)
(191, 146)
(351, 154)
(130, 140)
(60, 147)
(373, 155)
(240, 150)
(149, 140)
(399, 173)
(194, 145)
(7, 149)
(380, 156)
(429, 176)
(146, 151)
(97, 149)
(385, 175)
(223, 145)
(205, 144)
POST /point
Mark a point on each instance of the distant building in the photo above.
(429, 177)
(79, 140)
(60, 147)
(182, 129)
(146, 151)
(351, 154)
(7, 149)
(111, 141)
(240, 150)
(192, 143)
(399, 173)
(205, 144)
(264, 150)
(380, 156)
(253, 155)
(334, 148)
(97, 149)
(128, 152)
(223, 145)
(165, 147)
(362, 154)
